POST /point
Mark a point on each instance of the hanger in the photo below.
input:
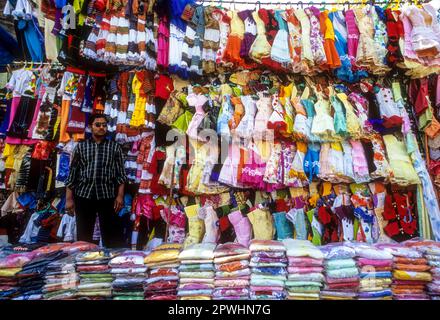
(258, 4)
(300, 3)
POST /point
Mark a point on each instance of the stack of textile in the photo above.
(61, 279)
(410, 272)
(432, 254)
(9, 267)
(129, 273)
(268, 265)
(196, 272)
(163, 277)
(31, 278)
(94, 273)
(305, 267)
(232, 272)
(341, 273)
(375, 268)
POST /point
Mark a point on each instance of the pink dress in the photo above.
(163, 42)
(360, 164)
(353, 36)
(196, 101)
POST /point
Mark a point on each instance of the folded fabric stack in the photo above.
(410, 273)
(268, 265)
(197, 272)
(31, 278)
(375, 268)
(305, 266)
(163, 277)
(94, 274)
(9, 267)
(62, 280)
(341, 272)
(129, 273)
(431, 252)
(232, 272)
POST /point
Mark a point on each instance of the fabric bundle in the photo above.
(163, 277)
(410, 273)
(129, 273)
(268, 270)
(10, 266)
(305, 266)
(197, 272)
(62, 280)
(94, 273)
(432, 256)
(375, 268)
(341, 272)
(31, 278)
(232, 272)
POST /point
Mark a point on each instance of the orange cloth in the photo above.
(327, 30)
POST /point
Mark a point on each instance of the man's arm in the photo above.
(121, 178)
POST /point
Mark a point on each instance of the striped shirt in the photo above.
(96, 169)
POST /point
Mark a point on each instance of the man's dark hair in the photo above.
(95, 116)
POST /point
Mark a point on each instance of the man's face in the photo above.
(99, 127)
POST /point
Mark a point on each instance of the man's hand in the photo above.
(119, 203)
(70, 207)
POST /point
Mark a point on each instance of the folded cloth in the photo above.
(303, 284)
(230, 249)
(307, 289)
(232, 266)
(305, 269)
(374, 263)
(205, 275)
(342, 273)
(265, 282)
(202, 251)
(337, 251)
(412, 275)
(301, 296)
(230, 292)
(197, 267)
(340, 264)
(269, 254)
(197, 280)
(302, 262)
(157, 257)
(233, 274)
(401, 260)
(268, 260)
(226, 259)
(269, 271)
(264, 265)
(231, 283)
(195, 286)
(343, 285)
(317, 277)
(266, 245)
(409, 267)
(341, 294)
(207, 292)
(376, 294)
(267, 288)
(302, 248)
(128, 270)
(380, 274)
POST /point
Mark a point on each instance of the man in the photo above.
(96, 185)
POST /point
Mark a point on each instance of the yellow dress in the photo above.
(260, 47)
(353, 124)
(138, 118)
(262, 224)
(400, 162)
